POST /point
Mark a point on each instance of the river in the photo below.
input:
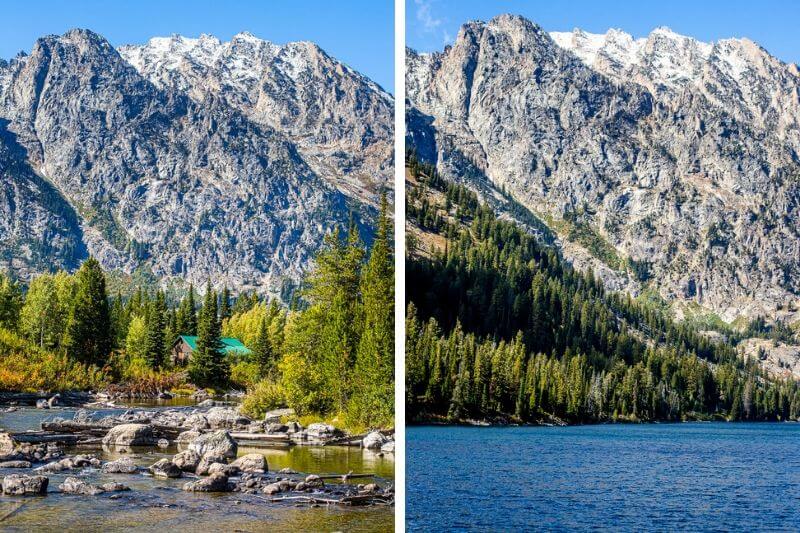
(666, 477)
(161, 505)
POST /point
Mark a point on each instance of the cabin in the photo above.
(186, 344)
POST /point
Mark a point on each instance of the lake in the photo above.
(693, 476)
(161, 505)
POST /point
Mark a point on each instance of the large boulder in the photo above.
(226, 418)
(216, 442)
(320, 430)
(252, 462)
(388, 447)
(164, 468)
(374, 440)
(19, 485)
(124, 465)
(186, 460)
(217, 482)
(130, 435)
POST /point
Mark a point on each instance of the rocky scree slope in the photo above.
(143, 175)
(688, 181)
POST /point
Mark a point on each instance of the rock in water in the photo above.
(74, 485)
(187, 436)
(164, 468)
(322, 431)
(217, 482)
(252, 462)
(204, 465)
(7, 444)
(124, 465)
(374, 440)
(186, 460)
(217, 442)
(228, 470)
(388, 447)
(226, 418)
(42, 404)
(114, 487)
(130, 435)
(19, 485)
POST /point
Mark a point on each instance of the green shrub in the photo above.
(264, 396)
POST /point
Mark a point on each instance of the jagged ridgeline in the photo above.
(500, 326)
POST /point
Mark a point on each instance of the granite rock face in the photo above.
(230, 174)
(681, 157)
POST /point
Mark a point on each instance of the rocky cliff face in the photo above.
(188, 185)
(662, 162)
(340, 121)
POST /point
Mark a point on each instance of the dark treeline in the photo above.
(499, 325)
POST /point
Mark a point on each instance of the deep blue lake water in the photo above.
(666, 477)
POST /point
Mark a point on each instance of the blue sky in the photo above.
(771, 23)
(360, 33)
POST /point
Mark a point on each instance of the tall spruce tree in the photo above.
(263, 354)
(156, 320)
(225, 304)
(186, 319)
(10, 302)
(374, 366)
(88, 336)
(208, 366)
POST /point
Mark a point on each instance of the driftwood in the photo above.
(99, 430)
(358, 499)
(42, 438)
(365, 499)
(271, 437)
(354, 440)
(8, 514)
(345, 477)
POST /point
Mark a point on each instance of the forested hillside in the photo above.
(330, 355)
(500, 327)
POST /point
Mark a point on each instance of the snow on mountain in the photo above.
(340, 120)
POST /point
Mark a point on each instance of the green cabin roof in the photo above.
(230, 345)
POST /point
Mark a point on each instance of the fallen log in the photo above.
(345, 477)
(43, 438)
(99, 430)
(271, 437)
(365, 499)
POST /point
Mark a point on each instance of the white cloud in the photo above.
(425, 16)
(429, 23)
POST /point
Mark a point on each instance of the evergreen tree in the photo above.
(186, 315)
(374, 367)
(88, 336)
(10, 302)
(156, 321)
(263, 353)
(208, 366)
(225, 304)
(119, 321)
